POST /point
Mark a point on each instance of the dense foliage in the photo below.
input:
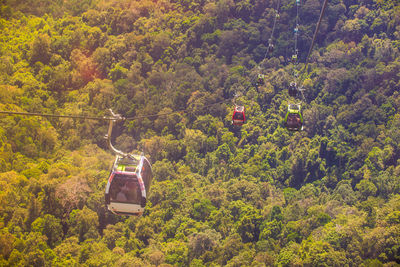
(222, 195)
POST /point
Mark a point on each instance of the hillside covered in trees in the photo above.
(222, 195)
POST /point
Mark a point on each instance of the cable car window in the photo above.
(238, 116)
(125, 189)
(293, 120)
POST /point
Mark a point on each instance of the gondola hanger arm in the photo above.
(114, 118)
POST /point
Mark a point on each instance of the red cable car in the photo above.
(238, 117)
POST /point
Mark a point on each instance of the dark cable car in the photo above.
(270, 46)
(293, 119)
(296, 30)
(129, 182)
(294, 58)
(293, 89)
(238, 117)
(260, 79)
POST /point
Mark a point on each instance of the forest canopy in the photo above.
(222, 195)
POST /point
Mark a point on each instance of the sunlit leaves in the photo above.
(83, 223)
(202, 209)
(203, 243)
(176, 253)
(49, 226)
(11, 193)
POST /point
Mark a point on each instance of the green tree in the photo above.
(366, 188)
(84, 224)
(40, 50)
(318, 253)
(202, 209)
(7, 244)
(176, 253)
(49, 226)
(203, 242)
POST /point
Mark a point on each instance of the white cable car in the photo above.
(129, 182)
(128, 185)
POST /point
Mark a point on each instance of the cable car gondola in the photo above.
(238, 117)
(293, 119)
(270, 46)
(294, 58)
(293, 89)
(128, 185)
(260, 79)
(129, 182)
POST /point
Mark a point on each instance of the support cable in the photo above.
(312, 46)
(296, 51)
(55, 115)
(104, 118)
(315, 33)
(270, 40)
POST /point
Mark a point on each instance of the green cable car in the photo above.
(293, 119)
